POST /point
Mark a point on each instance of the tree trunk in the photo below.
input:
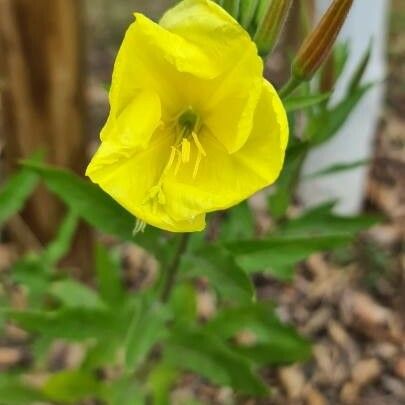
(42, 101)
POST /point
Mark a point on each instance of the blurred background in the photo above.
(56, 58)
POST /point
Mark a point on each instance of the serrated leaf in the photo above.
(279, 255)
(71, 324)
(60, 246)
(87, 200)
(72, 294)
(208, 356)
(15, 192)
(315, 231)
(219, 267)
(274, 342)
(324, 126)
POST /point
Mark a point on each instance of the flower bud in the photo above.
(318, 44)
(247, 12)
(271, 25)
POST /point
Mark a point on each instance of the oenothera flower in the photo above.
(193, 125)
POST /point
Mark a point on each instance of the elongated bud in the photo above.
(318, 44)
(247, 12)
(231, 6)
(327, 75)
(271, 25)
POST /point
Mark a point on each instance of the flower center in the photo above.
(188, 126)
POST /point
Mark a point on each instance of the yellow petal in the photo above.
(134, 125)
(207, 26)
(131, 179)
(225, 179)
(229, 112)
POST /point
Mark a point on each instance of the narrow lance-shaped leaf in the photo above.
(87, 200)
(15, 192)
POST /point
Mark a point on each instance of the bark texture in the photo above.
(42, 98)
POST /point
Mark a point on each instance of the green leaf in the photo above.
(160, 381)
(72, 324)
(14, 392)
(208, 356)
(71, 386)
(280, 200)
(15, 192)
(219, 267)
(34, 274)
(76, 295)
(278, 255)
(183, 303)
(60, 246)
(108, 273)
(238, 224)
(274, 342)
(294, 103)
(315, 231)
(87, 200)
(147, 327)
(324, 126)
(124, 391)
(361, 68)
(337, 168)
(321, 221)
(340, 58)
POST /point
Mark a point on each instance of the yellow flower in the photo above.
(193, 126)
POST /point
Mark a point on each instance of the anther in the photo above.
(198, 144)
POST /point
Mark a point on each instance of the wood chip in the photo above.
(293, 381)
(314, 397)
(399, 368)
(10, 356)
(366, 371)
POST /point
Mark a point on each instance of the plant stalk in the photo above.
(173, 268)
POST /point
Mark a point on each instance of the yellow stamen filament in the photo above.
(139, 226)
(197, 164)
(185, 150)
(198, 144)
(176, 170)
(171, 159)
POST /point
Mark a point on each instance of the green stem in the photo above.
(289, 87)
(173, 268)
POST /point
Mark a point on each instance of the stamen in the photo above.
(171, 159)
(185, 150)
(139, 227)
(176, 170)
(198, 144)
(197, 164)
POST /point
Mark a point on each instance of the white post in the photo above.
(367, 21)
